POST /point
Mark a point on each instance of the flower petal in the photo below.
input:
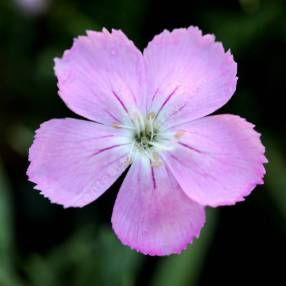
(74, 161)
(152, 214)
(189, 75)
(219, 160)
(101, 76)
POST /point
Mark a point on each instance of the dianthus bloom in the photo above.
(148, 111)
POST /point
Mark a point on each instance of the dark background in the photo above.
(43, 244)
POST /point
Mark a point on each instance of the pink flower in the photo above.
(148, 111)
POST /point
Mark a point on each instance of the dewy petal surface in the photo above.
(188, 75)
(219, 160)
(74, 161)
(101, 77)
(152, 214)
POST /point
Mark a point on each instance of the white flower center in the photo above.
(147, 137)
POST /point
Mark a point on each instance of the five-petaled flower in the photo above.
(148, 111)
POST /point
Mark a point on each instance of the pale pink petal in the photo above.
(74, 161)
(152, 214)
(101, 76)
(189, 75)
(219, 160)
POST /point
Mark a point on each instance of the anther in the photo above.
(116, 125)
(179, 134)
(151, 116)
(156, 161)
(129, 160)
(120, 126)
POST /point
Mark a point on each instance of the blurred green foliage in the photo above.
(7, 275)
(81, 249)
(87, 258)
(276, 178)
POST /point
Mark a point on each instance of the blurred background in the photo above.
(43, 244)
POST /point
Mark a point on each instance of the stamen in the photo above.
(149, 124)
(179, 134)
(129, 160)
(130, 155)
(120, 126)
(151, 116)
(161, 146)
(141, 122)
(137, 120)
(156, 161)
